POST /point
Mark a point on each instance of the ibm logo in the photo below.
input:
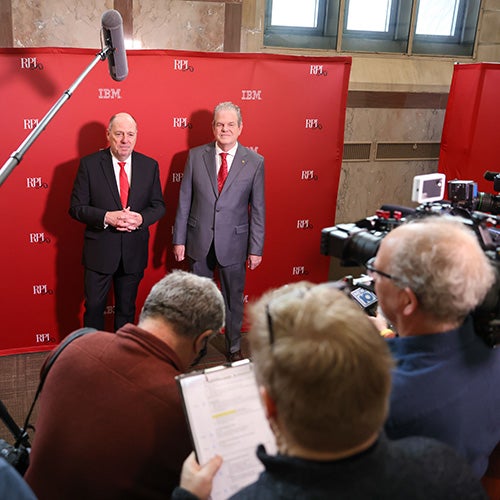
(110, 93)
(30, 123)
(254, 148)
(308, 175)
(181, 122)
(299, 271)
(35, 183)
(182, 65)
(38, 238)
(177, 176)
(317, 69)
(313, 123)
(43, 338)
(251, 95)
(42, 290)
(30, 63)
(304, 224)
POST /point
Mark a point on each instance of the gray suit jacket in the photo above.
(233, 220)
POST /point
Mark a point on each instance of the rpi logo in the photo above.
(30, 123)
(30, 63)
(181, 122)
(35, 183)
(313, 123)
(42, 290)
(251, 95)
(317, 69)
(299, 271)
(182, 65)
(43, 338)
(38, 238)
(304, 224)
(308, 175)
(254, 148)
(177, 177)
(110, 93)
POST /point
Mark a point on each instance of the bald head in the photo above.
(442, 262)
(122, 135)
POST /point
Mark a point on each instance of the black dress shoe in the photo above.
(235, 356)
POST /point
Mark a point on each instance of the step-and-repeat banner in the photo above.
(293, 114)
(469, 143)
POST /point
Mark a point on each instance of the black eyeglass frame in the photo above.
(300, 292)
(270, 325)
(371, 269)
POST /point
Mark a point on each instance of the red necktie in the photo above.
(124, 186)
(221, 177)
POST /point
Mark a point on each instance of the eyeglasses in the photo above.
(372, 270)
(293, 292)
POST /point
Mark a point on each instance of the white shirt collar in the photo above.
(231, 152)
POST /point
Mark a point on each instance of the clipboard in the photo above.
(226, 417)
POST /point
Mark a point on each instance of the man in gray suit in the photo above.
(220, 221)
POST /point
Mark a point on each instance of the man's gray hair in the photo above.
(191, 304)
(228, 106)
(441, 260)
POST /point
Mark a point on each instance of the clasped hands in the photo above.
(124, 220)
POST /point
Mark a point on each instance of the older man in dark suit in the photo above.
(117, 194)
(221, 215)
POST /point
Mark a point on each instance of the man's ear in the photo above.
(410, 302)
(269, 404)
(200, 341)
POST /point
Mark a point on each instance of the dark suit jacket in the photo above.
(95, 192)
(233, 220)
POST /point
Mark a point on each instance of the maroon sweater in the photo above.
(110, 423)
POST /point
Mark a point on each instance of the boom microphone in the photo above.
(112, 30)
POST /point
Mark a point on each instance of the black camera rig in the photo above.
(357, 242)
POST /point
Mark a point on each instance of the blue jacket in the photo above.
(447, 386)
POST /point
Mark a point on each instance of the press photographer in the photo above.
(356, 243)
(428, 275)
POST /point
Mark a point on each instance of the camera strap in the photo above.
(22, 435)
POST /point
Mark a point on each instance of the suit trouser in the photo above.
(97, 286)
(232, 282)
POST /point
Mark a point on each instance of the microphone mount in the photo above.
(17, 156)
(104, 53)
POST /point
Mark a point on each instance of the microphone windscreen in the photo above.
(112, 25)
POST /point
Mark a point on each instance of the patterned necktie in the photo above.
(221, 177)
(124, 186)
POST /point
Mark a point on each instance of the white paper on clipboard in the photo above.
(226, 417)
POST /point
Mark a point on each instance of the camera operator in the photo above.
(429, 275)
(110, 422)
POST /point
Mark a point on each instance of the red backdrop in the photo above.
(293, 113)
(469, 143)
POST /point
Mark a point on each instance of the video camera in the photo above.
(357, 242)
